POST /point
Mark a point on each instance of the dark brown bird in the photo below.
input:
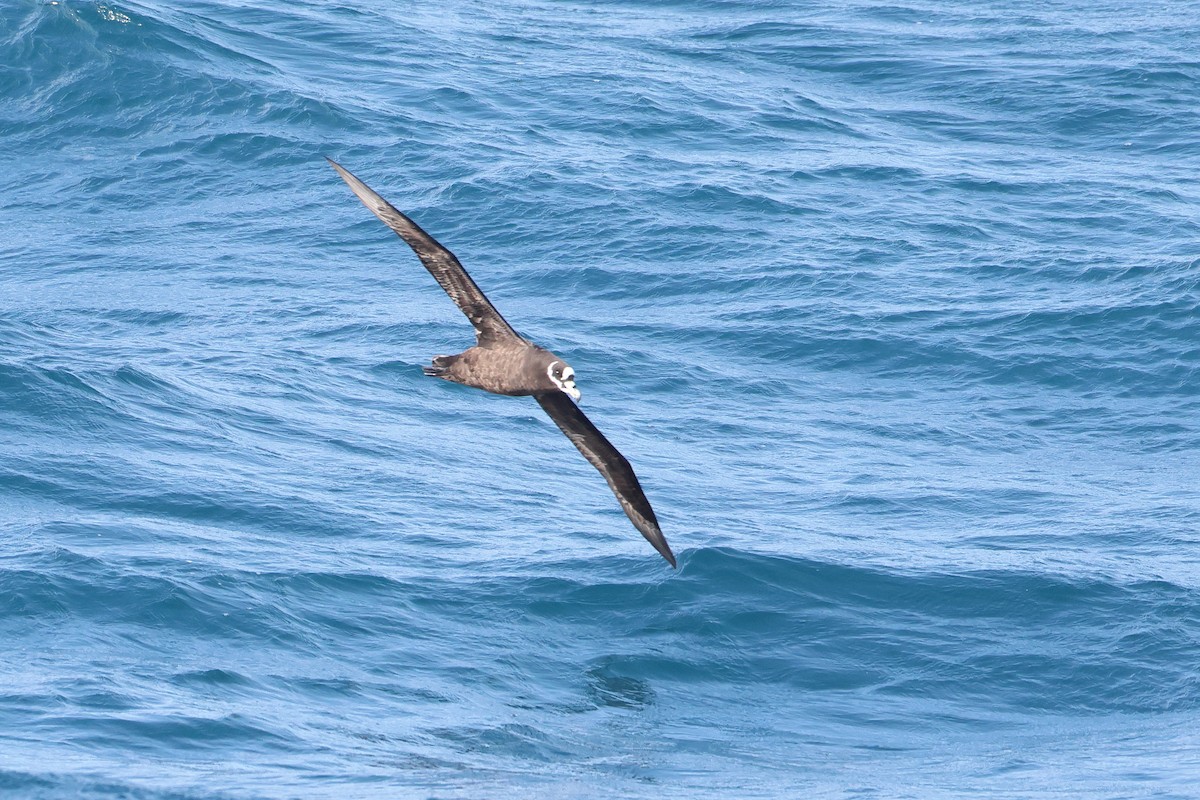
(504, 362)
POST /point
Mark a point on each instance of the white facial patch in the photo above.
(567, 382)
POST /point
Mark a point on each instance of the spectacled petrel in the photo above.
(504, 362)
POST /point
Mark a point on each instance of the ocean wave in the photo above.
(891, 307)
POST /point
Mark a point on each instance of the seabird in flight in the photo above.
(504, 362)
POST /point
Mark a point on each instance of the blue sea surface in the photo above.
(893, 306)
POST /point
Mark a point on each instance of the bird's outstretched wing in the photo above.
(441, 263)
(612, 465)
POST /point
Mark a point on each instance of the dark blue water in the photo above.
(894, 307)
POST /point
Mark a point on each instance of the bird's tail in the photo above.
(440, 366)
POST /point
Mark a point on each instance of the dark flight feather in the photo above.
(443, 265)
(611, 464)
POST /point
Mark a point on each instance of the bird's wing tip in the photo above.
(340, 169)
(665, 552)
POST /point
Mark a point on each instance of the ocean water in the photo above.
(894, 306)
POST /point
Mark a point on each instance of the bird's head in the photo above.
(562, 376)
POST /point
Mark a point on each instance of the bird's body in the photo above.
(513, 368)
(504, 362)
